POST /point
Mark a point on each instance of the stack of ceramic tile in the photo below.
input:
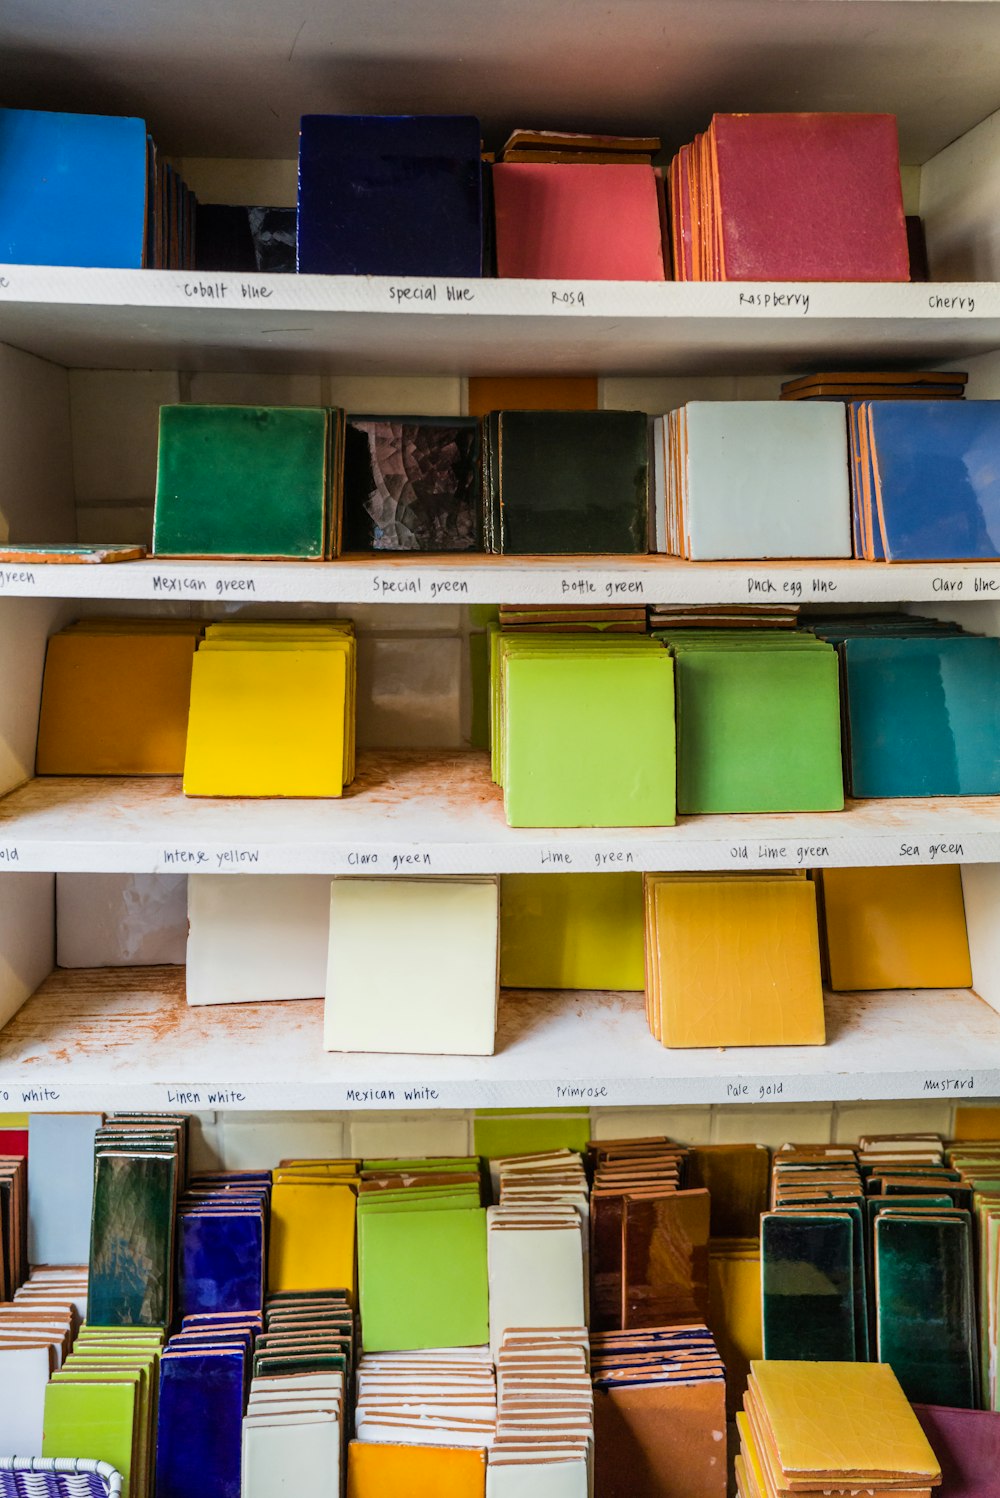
(582, 730)
(204, 1377)
(411, 483)
(249, 481)
(659, 1414)
(573, 619)
(978, 1164)
(967, 1444)
(573, 206)
(920, 1211)
(894, 928)
(545, 1416)
(648, 1237)
(741, 480)
(272, 710)
(869, 384)
(222, 1233)
(390, 195)
(37, 1331)
(814, 1428)
(920, 703)
(536, 1241)
(312, 1223)
(422, 1255)
(298, 1408)
(439, 1398)
(566, 482)
(572, 931)
(790, 197)
(813, 1258)
(115, 697)
(13, 1223)
(410, 1001)
(108, 1391)
(140, 1167)
(922, 480)
(722, 616)
(758, 720)
(733, 959)
(737, 1179)
(91, 190)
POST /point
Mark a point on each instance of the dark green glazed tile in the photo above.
(241, 481)
(924, 1306)
(567, 481)
(807, 1278)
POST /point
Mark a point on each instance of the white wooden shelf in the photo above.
(115, 319)
(125, 1038)
(411, 812)
(481, 579)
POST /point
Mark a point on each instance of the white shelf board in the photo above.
(114, 319)
(125, 1038)
(480, 579)
(233, 82)
(412, 812)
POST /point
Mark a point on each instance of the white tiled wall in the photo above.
(260, 1140)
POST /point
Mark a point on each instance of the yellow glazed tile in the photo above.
(737, 961)
(849, 1419)
(896, 928)
(312, 1237)
(377, 1470)
(266, 723)
(571, 931)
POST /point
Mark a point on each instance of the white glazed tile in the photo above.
(767, 479)
(388, 1135)
(259, 1142)
(255, 937)
(683, 1125)
(406, 999)
(799, 1123)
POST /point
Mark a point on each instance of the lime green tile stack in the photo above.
(582, 729)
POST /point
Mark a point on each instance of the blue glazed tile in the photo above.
(220, 1262)
(390, 195)
(938, 466)
(72, 189)
(199, 1425)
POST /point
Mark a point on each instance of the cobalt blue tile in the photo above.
(924, 716)
(390, 195)
(938, 465)
(199, 1425)
(72, 189)
(220, 1262)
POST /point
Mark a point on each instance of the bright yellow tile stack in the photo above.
(272, 710)
(313, 1211)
